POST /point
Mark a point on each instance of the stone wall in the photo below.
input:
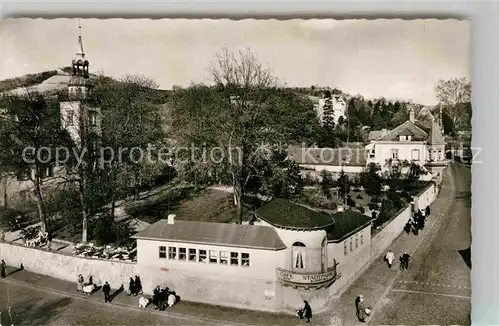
(390, 231)
(234, 291)
(67, 267)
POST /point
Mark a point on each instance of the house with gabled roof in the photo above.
(417, 141)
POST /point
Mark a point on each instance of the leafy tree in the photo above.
(343, 184)
(240, 121)
(328, 114)
(449, 128)
(280, 176)
(387, 211)
(414, 172)
(30, 134)
(328, 138)
(327, 183)
(371, 180)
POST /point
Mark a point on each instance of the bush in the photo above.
(395, 199)
(359, 197)
(375, 200)
(104, 231)
(12, 219)
(361, 209)
(356, 190)
(373, 206)
(387, 211)
(318, 199)
(310, 181)
(351, 202)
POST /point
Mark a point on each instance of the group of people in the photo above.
(135, 286)
(86, 288)
(417, 221)
(404, 259)
(163, 298)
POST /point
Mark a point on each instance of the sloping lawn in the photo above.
(207, 205)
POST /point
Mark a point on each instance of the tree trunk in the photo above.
(39, 201)
(238, 198)
(81, 195)
(5, 195)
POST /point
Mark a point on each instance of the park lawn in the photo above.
(206, 205)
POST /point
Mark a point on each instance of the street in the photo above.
(436, 288)
(31, 306)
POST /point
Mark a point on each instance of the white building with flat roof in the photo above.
(285, 254)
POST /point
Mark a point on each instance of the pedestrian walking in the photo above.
(79, 283)
(131, 286)
(360, 309)
(138, 285)
(106, 289)
(427, 211)
(307, 311)
(406, 260)
(389, 258)
(3, 269)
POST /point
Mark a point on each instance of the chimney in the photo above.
(412, 115)
(171, 219)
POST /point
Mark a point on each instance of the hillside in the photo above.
(54, 81)
(28, 80)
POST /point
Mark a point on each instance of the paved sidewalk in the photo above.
(184, 309)
(376, 280)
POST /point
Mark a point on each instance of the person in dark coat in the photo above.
(156, 293)
(360, 309)
(131, 286)
(407, 227)
(138, 285)
(3, 269)
(106, 289)
(406, 260)
(427, 211)
(307, 311)
(162, 298)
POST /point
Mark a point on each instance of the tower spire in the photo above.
(80, 42)
(80, 64)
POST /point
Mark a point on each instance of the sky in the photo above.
(395, 59)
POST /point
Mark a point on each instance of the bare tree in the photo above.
(241, 121)
(455, 96)
(242, 70)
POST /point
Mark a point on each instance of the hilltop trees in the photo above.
(240, 122)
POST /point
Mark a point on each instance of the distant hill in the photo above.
(54, 81)
(29, 80)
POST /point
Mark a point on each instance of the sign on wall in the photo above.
(309, 278)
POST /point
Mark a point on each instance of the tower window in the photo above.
(70, 118)
(93, 118)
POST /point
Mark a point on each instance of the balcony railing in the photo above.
(307, 279)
